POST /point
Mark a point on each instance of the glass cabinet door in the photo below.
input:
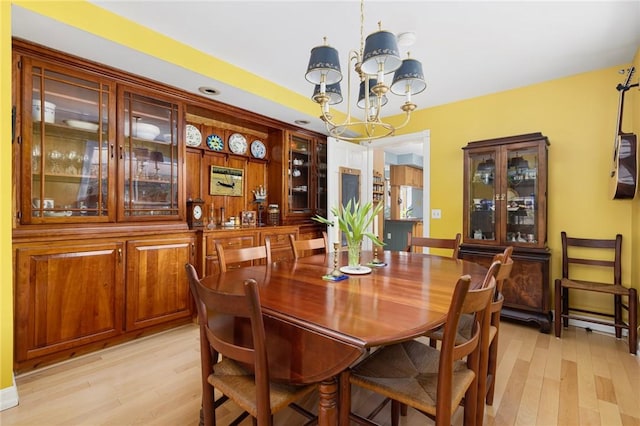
(521, 189)
(482, 189)
(69, 138)
(299, 174)
(505, 192)
(321, 176)
(149, 157)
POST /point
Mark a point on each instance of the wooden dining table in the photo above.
(318, 328)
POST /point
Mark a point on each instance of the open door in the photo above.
(344, 157)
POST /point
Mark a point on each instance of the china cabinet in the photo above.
(300, 171)
(505, 204)
(81, 167)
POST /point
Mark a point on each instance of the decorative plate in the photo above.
(215, 142)
(194, 137)
(237, 143)
(355, 270)
(258, 149)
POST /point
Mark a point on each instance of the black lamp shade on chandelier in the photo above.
(409, 78)
(324, 66)
(381, 54)
(332, 90)
(361, 92)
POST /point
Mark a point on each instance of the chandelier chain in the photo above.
(361, 28)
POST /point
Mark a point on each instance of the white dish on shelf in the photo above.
(84, 125)
(58, 214)
(355, 270)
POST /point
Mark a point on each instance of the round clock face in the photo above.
(237, 143)
(197, 212)
(258, 149)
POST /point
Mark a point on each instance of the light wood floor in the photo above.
(581, 379)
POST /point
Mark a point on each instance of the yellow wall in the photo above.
(6, 271)
(576, 113)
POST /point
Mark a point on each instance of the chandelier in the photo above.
(375, 58)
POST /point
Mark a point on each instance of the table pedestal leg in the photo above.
(327, 405)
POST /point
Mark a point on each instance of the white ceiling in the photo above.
(467, 48)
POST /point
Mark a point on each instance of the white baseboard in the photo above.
(9, 396)
(600, 328)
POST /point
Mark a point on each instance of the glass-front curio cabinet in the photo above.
(505, 204)
(84, 168)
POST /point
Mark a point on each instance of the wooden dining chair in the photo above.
(430, 380)
(301, 248)
(443, 243)
(503, 274)
(238, 369)
(233, 258)
(499, 271)
(605, 254)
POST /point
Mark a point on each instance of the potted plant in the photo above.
(354, 220)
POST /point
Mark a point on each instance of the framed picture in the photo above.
(226, 181)
(248, 218)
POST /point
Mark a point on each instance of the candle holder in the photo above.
(375, 254)
(336, 272)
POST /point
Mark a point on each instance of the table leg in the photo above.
(327, 404)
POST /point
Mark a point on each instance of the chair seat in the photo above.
(239, 385)
(595, 286)
(408, 373)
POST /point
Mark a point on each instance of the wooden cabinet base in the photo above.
(526, 293)
(79, 295)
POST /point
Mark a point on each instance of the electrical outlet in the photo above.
(436, 214)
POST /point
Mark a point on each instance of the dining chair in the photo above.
(442, 243)
(233, 258)
(503, 274)
(301, 248)
(498, 272)
(238, 369)
(430, 380)
(604, 254)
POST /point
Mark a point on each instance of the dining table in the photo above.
(316, 328)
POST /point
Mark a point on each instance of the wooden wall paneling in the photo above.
(235, 205)
(255, 175)
(194, 176)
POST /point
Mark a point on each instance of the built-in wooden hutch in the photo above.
(104, 163)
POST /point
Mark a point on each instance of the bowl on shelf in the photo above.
(143, 131)
(49, 111)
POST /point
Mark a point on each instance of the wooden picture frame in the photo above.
(248, 218)
(226, 181)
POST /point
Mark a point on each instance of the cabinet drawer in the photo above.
(277, 239)
(236, 242)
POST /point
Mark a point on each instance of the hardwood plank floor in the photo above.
(585, 378)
